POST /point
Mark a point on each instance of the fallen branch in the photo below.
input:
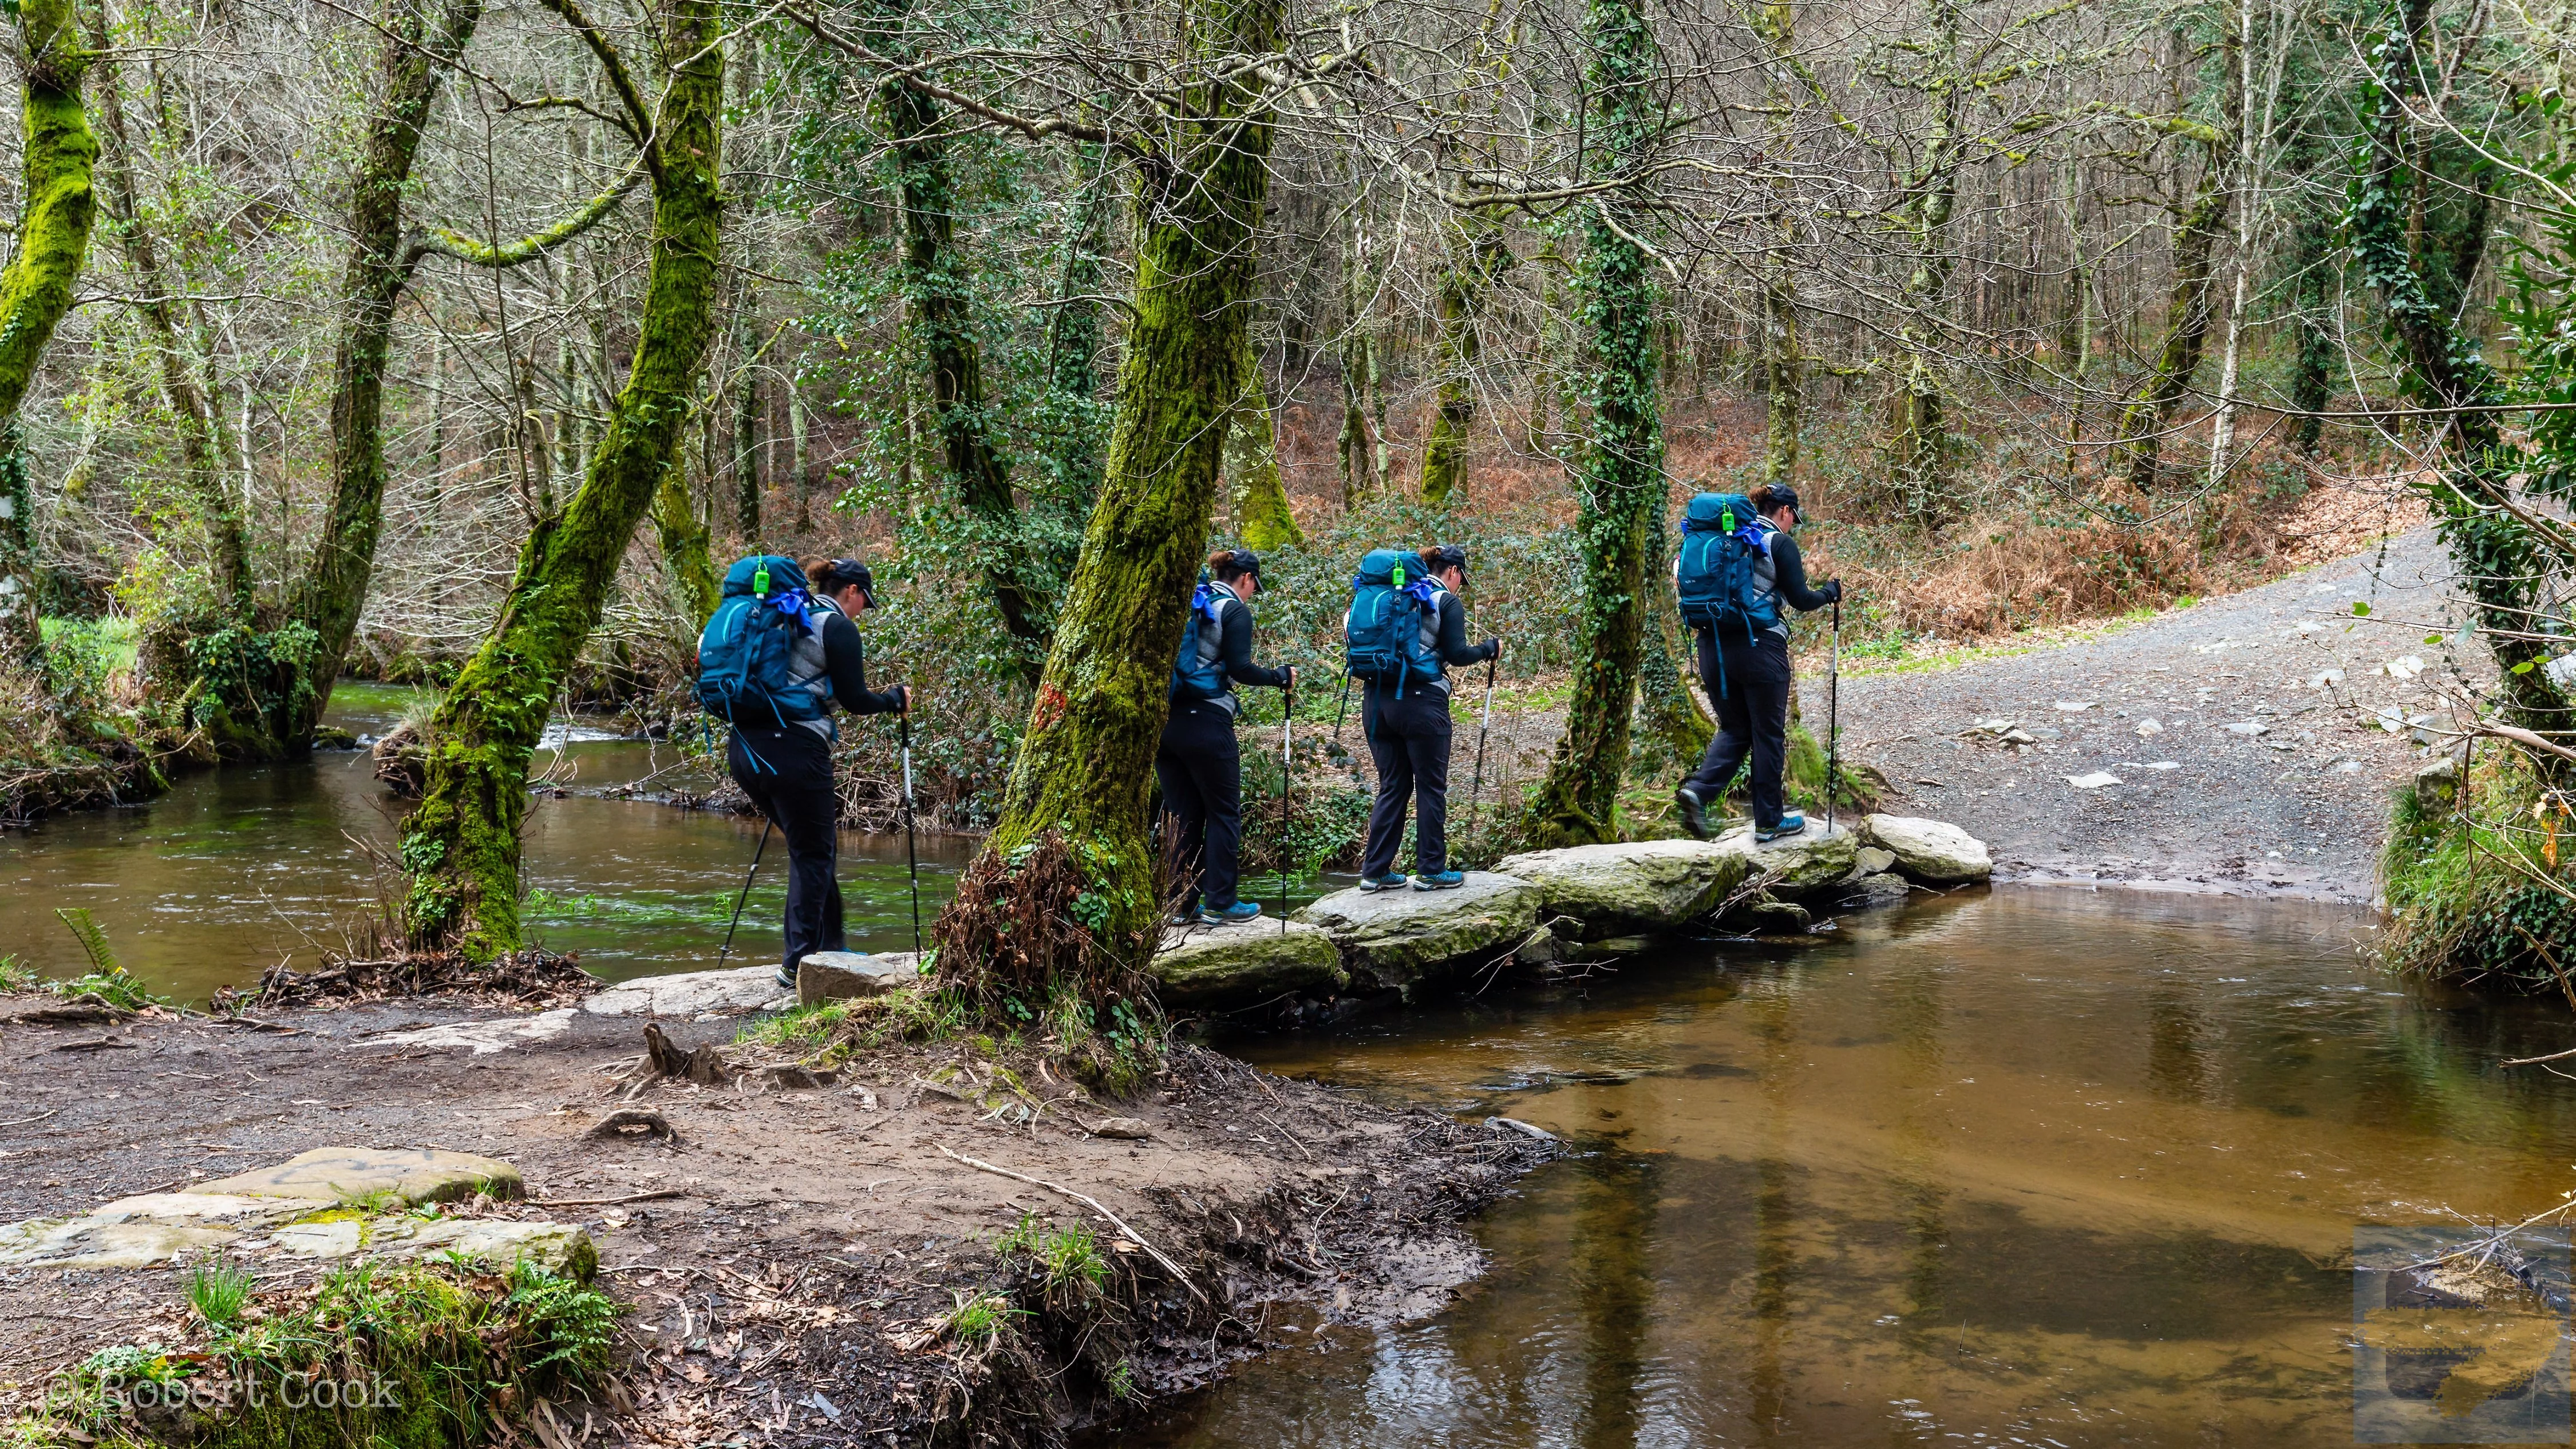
(554, 1202)
(1092, 1203)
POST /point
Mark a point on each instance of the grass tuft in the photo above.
(219, 1290)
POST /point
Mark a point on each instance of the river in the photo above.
(2032, 1167)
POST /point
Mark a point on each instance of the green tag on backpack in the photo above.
(760, 582)
(1397, 576)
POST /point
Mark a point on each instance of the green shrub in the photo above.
(2483, 895)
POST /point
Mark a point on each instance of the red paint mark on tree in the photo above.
(1050, 708)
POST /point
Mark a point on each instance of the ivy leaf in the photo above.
(2525, 666)
(2360, 610)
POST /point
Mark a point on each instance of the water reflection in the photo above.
(2039, 1167)
(241, 867)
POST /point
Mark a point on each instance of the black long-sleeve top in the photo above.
(845, 660)
(1789, 574)
(1234, 650)
(1452, 640)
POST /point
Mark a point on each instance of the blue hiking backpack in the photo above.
(746, 655)
(1199, 672)
(1722, 541)
(1382, 641)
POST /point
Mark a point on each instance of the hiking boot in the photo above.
(1789, 824)
(1693, 818)
(787, 977)
(1372, 884)
(1438, 880)
(1233, 915)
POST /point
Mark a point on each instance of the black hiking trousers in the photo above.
(1409, 740)
(1200, 767)
(788, 775)
(1752, 699)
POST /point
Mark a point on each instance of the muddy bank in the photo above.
(808, 1264)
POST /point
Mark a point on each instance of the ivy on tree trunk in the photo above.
(1622, 486)
(53, 238)
(462, 845)
(1078, 787)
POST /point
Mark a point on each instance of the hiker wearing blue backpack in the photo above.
(1199, 764)
(779, 652)
(1406, 626)
(1738, 563)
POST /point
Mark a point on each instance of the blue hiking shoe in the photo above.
(1694, 816)
(1233, 915)
(1372, 884)
(1789, 824)
(1439, 880)
(787, 977)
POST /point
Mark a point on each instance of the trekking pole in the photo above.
(1287, 787)
(1476, 792)
(1343, 710)
(1833, 713)
(756, 852)
(911, 856)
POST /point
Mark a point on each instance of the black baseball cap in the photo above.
(841, 573)
(1445, 556)
(1784, 496)
(1244, 560)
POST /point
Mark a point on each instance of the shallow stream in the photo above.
(238, 868)
(2034, 1167)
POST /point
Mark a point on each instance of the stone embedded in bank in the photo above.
(849, 975)
(1394, 940)
(336, 1174)
(1812, 860)
(1930, 850)
(1241, 964)
(689, 994)
(1657, 884)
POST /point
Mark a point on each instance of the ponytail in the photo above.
(1765, 502)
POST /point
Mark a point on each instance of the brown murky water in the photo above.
(2035, 1167)
(240, 867)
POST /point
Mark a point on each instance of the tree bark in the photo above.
(1921, 443)
(53, 237)
(1623, 477)
(943, 324)
(1080, 780)
(1261, 514)
(1784, 370)
(1476, 252)
(462, 844)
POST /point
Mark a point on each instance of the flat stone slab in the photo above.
(482, 1038)
(1803, 864)
(847, 975)
(1657, 884)
(1931, 850)
(1245, 964)
(332, 1175)
(301, 1210)
(692, 994)
(1395, 939)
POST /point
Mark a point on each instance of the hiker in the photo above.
(1406, 626)
(1738, 561)
(780, 651)
(1198, 762)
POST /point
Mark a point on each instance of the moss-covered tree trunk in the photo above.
(942, 323)
(462, 844)
(1079, 784)
(1919, 444)
(2494, 552)
(421, 41)
(2160, 393)
(1623, 472)
(1784, 372)
(686, 549)
(57, 204)
(200, 458)
(1261, 514)
(1476, 253)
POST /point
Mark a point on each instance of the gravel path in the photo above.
(2298, 808)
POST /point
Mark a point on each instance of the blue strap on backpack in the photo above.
(1198, 672)
(746, 653)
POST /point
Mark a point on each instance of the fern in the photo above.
(94, 941)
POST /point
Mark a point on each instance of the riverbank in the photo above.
(800, 1254)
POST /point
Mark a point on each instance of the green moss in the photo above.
(462, 844)
(2473, 896)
